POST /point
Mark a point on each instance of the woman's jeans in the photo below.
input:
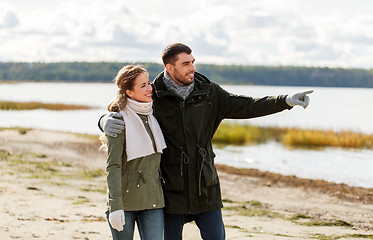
(150, 224)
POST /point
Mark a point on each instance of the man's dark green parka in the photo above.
(191, 184)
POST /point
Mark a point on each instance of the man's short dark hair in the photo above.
(169, 54)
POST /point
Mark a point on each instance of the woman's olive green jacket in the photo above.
(132, 185)
(191, 184)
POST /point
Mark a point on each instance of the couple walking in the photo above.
(160, 164)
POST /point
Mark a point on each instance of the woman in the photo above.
(133, 173)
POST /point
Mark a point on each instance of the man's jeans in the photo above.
(210, 224)
(149, 222)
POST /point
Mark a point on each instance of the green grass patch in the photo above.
(8, 105)
(366, 236)
(253, 212)
(38, 166)
(93, 173)
(89, 136)
(251, 209)
(255, 203)
(38, 169)
(334, 237)
(236, 227)
(336, 223)
(23, 131)
(233, 226)
(20, 130)
(306, 220)
(81, 200)
(283, 235)
(299, 216)
(94, 189)
(4, 154)
(41, 155)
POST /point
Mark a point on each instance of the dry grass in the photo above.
(318, 138)
(241, 134)
(8, 105)
(295, 137)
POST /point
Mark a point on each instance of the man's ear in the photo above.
(169, 67)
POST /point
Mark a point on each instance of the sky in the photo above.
(322, 33)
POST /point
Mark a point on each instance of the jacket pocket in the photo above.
(210, 176)
(172, 170)
(173, 180)
(133, 190)
(155, 189)
(167, 121)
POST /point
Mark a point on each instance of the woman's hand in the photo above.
(116, 220)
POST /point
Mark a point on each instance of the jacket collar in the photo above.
(201, 86)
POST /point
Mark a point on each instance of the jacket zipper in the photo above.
(183, 154)
(160, 176)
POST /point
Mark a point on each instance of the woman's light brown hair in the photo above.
(124, 80)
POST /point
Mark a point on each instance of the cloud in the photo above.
(8, 18)
(263, 32)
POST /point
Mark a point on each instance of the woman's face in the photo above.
(142, 90)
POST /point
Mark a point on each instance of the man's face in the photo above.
(183, 70)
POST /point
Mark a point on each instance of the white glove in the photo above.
(112, 126)
(300, 99)
(116, 220)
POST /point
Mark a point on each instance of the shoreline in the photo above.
(362, 193)
(53, 187)
(339, 190)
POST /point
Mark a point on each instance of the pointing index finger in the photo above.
(307, 92)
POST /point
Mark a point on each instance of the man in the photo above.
(189, 108)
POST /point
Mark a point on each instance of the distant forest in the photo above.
(223, 74)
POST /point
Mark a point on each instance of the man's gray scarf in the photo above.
(181, 91)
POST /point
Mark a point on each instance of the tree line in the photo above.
(222, 74)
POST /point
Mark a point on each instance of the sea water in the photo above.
(330, 108)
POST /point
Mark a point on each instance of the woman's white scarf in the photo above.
(138, 141)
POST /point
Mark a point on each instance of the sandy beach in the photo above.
(53, 187)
